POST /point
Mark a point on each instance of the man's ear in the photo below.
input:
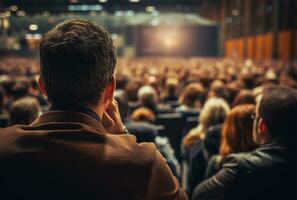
(262, 126)
(41, 86)
(263, 132)
(110, 88)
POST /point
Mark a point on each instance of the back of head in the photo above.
(20, 89)
(24, 111)
(237, 132)
(77, 60)
(244, 97)
(171, 87)
(218, 89)
(131, 89)
(148, 97)
(191, 94)
(288, 77)
(278, 108)
(213, 112)
(143, 115)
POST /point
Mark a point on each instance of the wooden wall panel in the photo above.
(228, 47)
(259, 47)
(234, 48)
(284, 45)
(267, 46)
(240, 48)
(250, 47)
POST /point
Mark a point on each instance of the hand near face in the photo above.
(111, 119)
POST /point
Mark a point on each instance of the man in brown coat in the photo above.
(80, 149)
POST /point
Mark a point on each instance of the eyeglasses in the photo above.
(253, 116)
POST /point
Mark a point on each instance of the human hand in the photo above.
(111, 119)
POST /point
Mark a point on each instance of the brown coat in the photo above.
(70, 155)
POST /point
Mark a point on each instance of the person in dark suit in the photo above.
(79, 150)
(269, 172)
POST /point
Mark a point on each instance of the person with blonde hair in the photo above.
(213, 112)
(212, 115)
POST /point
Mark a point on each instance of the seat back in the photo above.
(172, 128)
(4, 121)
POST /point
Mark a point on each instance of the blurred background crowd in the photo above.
(196, 110)
(188, 72)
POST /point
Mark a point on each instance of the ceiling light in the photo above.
(7, 14)
(21, 13)
(13, 8)
(33, 27)
(150, 9)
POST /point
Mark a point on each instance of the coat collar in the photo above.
(69, 116)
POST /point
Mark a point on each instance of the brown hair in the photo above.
(244, 97)
(144, 115)
(192, 93)
(77, 60)
(237, 132)
(24, 111)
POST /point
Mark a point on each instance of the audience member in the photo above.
(24, 111)
(144, 132)
(170, 91)
(269, 172)
(213, 112)
(79, 150)
(237, 136)
(192, 98)
(143, 115)
(147, 117)
(244, 97)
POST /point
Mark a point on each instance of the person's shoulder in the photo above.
(9, 137)
(215, 158)
(12, 131)
(126, 146)
(264, 159)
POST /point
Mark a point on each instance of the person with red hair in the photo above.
(237, 136)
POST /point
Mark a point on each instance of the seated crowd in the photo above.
(227, 128)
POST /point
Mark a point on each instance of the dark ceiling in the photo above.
(57, 6)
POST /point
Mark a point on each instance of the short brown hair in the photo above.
(192, 93)
(77, 60)
(24, 111)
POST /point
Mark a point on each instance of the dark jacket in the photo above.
(266, 173)
(69, 155)
(214, 165)
(199, 155)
